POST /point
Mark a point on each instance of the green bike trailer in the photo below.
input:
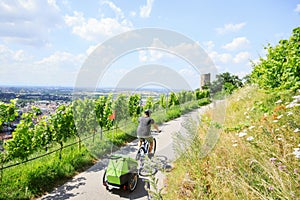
(121, 172)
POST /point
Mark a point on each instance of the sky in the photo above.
(46, 42)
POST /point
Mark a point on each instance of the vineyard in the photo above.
(46, 149)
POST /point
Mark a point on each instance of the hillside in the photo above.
(257, 155)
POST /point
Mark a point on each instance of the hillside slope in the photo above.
(257, 155)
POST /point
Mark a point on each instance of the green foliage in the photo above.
(200, 94)
(173, 112)
(149, 103)
(204, 101)
(281, 67)
(33, 179)
(134, 106)
(23, 143)
(8, 112)
(259, 146)
(120, 106)
(225, 82)
(163, 101)
(173, 100)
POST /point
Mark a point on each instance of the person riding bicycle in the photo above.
(144, 129)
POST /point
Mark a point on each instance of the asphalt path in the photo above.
(88, 184)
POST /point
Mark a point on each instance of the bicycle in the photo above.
(142, 155)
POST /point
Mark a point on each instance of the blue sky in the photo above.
(45, 43)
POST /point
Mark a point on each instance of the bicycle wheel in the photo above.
(140, 154)
(147, 170)
(154, 146)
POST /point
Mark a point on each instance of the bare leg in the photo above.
(151, 147)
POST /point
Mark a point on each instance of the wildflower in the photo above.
(292, 104)
(251, 127)
(296, 130)
(271, 188)
(279, 101)
(297, 152)
(273, 159)
(281, 167)
(289, 113)
(250, 138)
(279, 116)
(234, 145)
(297, 98)
(296, 171)
(275, 121)
(277, 129)
(279, 139)
(242, 134)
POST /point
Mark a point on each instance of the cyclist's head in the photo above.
(148, 112)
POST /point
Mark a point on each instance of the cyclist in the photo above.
(144, 129)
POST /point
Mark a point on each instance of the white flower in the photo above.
(279, 116)
(250, 138)
(251, 127)
(292, 104)
(242, 134)
(296, 130)
(279, 101)
(289, 113)
(234, 145)
(279, 139)
(275, 121)
(297, 98)
(297, 152)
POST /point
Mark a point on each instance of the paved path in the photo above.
(88, 184)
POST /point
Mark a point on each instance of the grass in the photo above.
(255, 156)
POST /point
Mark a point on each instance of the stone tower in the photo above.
(204, 79)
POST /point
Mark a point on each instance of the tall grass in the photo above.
(256, 157)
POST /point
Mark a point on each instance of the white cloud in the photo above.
(8, 55)
(220, 57)
(117, 10)
(242, 57)
(95, 29)
(208, 45)
(28, 22)
(237, 43)
(60, 68)
(132, 13)
(145, 10)
(230, 28)
(297, 9)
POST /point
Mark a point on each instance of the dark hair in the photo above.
(148, 112)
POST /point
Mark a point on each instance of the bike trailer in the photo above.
(121, 172)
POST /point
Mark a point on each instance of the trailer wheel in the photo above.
(132, 182)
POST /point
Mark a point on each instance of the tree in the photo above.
(225, 82)
(281, 67)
